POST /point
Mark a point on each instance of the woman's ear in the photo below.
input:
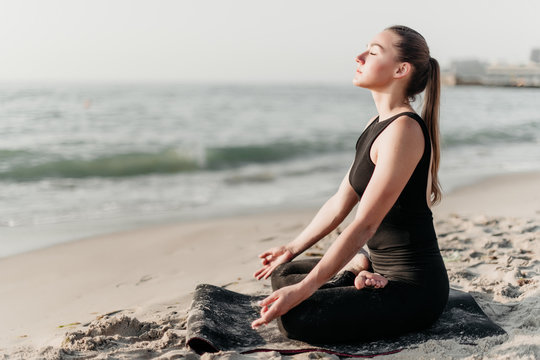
(402, 70)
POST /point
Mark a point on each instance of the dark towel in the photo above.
(220, 319)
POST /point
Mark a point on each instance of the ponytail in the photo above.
(430, 114)
(412, 48)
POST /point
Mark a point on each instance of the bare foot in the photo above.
(366, 278)
(359, 262)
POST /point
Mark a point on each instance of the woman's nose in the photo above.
(360, 59)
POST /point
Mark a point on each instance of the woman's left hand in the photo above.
(281, 301)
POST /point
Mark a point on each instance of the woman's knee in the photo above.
(291, 272)
(302, 266)
(282, 269)
(278, 276)
(282, 277)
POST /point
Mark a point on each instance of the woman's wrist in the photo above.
(306, 289)
(309, 285)
(292, 251)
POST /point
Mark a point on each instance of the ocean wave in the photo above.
(263, 176)
(167, 161)
(25, 165)
(524, 133)
(233, 156)
(120, 165)
(6, 154)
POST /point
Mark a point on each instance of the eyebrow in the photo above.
(375, 44)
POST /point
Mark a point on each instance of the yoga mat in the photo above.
(219, 319)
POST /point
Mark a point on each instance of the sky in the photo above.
(244, 41)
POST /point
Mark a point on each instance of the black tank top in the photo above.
(404, 248)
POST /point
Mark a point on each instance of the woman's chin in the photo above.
(358, 83)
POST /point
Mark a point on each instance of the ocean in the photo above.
(77, 160)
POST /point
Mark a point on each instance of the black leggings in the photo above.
(338, 312)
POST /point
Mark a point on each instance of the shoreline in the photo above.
(148, 272)
(63, 233)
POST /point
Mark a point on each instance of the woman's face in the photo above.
(377, 65)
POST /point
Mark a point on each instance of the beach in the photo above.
(54, 299)
(150, 154)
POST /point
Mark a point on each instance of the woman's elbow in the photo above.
(371, 230)
(344, 203)
(363, 231)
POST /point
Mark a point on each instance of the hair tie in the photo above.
(431, 62)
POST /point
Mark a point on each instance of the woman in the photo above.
(402, 285)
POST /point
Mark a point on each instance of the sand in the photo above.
(126, 295)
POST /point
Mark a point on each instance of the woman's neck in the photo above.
(390, 103)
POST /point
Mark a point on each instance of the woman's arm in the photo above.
(330, 215)
(400, 147)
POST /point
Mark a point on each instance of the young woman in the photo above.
(402, 285)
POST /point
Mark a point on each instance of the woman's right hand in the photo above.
(271, 259)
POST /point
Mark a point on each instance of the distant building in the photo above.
(474, 72)
(513, 75)
(468, 72)
(535, 55)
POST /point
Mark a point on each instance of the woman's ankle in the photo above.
(358, 263)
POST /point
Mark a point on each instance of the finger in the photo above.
(269, 272)
(265, 272)
(259, 272)
(264, 310)
(269, 299)
(267, 255)
(255, 324)
(270, 314)
(267, 315)
(263, 320)
(262, 274)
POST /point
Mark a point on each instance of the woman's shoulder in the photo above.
(406, 125)
(404, 131)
